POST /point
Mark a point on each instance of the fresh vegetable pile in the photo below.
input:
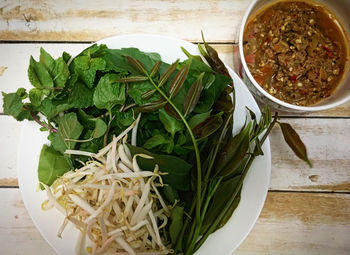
(116, 206)
(186, 124)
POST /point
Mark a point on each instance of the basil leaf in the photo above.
(178, 170)
(52, 165)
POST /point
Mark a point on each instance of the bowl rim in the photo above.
(265, 93)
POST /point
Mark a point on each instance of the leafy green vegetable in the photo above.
(81, 96)
(52, 164)
(100, 128)
(177, 169)
(136, 90)
(39, 75)
(293, 140)
(12, 104)
(186, 122)
(156, 140)
(35, 97)
(171, 124)
(176, 223)
(69, 129)
(108, 92)
(220, 198)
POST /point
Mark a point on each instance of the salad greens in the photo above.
(186, 126)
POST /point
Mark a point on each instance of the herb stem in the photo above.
(198, 159)
(105, 138)
(35, 118)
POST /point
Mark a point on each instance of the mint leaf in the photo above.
(52, 165)
(108, 92)
(68, 128)
(86, 68)
(81, 96)
(45, 58)
(59, 72)
(100, 128)
(66, 56)
(35, 96)
(38, 75)
(21, 92)
(123, 119)
(50, 108)
(137, 89)
(12, 104)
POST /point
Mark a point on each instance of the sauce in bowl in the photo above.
(296, 51)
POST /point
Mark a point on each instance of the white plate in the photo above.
(225, 240)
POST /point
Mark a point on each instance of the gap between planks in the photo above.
(269, 191)
(327, 142)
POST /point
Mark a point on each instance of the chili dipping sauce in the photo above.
(296, 51)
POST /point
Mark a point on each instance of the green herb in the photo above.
(186, 126)
(52, 164)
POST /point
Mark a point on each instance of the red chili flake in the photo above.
(328, 51)
(251, 35)
(250, 59)
(303, 91)
(293, 78)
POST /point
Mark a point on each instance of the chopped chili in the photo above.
(296, 51)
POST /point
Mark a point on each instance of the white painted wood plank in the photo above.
(10, 130)
(17, 232)
(93, 20)
(327, 141)
(290, 223)
(301, 223)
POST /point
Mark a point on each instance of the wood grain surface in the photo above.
(290, 223)
(66, 20)
(327, 142)
(15, 60)
(307, 210)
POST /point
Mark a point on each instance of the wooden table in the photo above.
(307, 211)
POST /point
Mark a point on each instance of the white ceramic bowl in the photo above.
(341, 8)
